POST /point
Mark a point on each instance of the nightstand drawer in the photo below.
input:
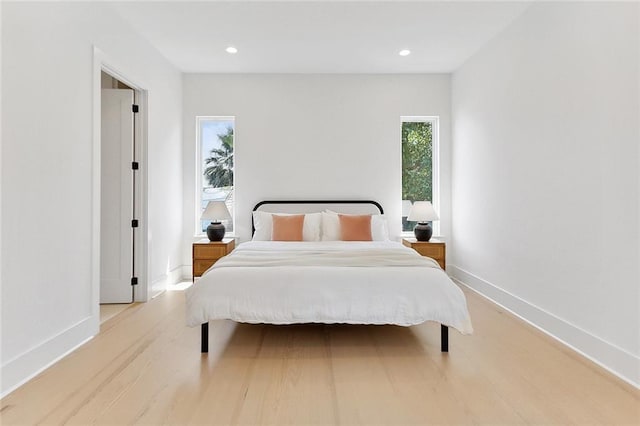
(206, 251)
(434, 251)
(200, 266)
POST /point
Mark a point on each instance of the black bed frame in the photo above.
(204, 338)
(204, 331)
(262, 203)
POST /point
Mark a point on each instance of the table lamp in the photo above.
(422, 212)
(216, 211)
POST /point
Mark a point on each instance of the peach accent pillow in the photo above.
(355, 227)
(287, 228)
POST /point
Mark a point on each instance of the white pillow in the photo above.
(263, 223)
(379, 228)
(331, 227)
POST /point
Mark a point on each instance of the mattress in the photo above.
(380, 282)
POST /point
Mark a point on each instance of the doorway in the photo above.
(118, 191)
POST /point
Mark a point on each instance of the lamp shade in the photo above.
(216, 211)
(422, 211)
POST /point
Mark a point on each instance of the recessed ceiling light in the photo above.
(404, 52)
(231, 49)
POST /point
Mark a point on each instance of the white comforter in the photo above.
(378, 282)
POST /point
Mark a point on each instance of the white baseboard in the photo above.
(161, 283)
(19, 370)
(616, 360)
(175, 276)
(187, 272)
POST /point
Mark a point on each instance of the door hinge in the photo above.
(135, 165)
(134, 223)
(134, 280)
(135, 108)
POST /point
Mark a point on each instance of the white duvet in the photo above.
(380, 282)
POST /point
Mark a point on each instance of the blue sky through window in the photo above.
(210, 131)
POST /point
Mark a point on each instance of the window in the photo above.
(215, 182)
(419, 165)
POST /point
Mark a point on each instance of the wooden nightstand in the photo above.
(205, 253)
(433, 248)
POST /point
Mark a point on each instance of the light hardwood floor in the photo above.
(109, 311)
(145, 368)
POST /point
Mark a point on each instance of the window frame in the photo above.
(435, 166)
(198, 176)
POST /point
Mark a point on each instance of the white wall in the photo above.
(1, 97)
(315, 136)
(48, 303)
(545, 175)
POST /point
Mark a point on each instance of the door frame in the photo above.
(102, 62)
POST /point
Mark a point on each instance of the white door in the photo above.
(116, 202)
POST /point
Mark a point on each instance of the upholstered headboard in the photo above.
(313, 206)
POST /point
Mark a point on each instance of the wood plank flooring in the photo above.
(110, 310)
(145, 368)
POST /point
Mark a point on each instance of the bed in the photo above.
(326, 281)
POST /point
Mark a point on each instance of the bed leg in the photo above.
(204, 338)
(444, 338)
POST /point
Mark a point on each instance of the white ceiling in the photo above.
(319, 37)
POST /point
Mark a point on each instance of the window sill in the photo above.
(227, 235)
(412, 235)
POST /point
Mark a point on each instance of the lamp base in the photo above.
(423, 231)
(215, 231)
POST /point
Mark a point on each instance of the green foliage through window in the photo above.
(219, 165)
(417, 164)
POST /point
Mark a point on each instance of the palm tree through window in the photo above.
(216, 172)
